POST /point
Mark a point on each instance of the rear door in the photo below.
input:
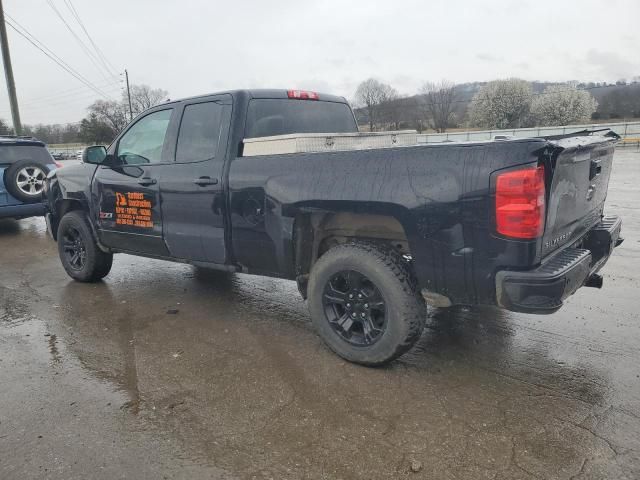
(127, 194)
(257, 227)
(191, 187)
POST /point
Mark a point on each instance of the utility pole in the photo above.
(126, 74)
(8, 73)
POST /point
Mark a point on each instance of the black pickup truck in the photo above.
(368, 233)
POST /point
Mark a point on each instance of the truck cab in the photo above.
(182, 151)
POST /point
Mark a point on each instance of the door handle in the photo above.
(146, 181)
(204, 181)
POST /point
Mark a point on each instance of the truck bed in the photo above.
(442, 194)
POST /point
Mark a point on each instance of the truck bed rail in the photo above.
(327, 142)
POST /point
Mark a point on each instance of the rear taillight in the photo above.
(58, 164)
(302, 95)
(520, 203)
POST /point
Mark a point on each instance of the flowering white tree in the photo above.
(502, 104)
(563, 105)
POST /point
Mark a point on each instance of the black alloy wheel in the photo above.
(355, 308)
(74, 248)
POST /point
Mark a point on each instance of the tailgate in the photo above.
(580, 166)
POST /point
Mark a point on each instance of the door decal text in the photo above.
(132, 209)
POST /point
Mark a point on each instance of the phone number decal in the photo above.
(133, 210)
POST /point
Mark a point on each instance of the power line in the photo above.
(69, 93)
(57, 106)
(79, 41)
(104, 60)
(44, 49)
(49, 53)
(64, 101)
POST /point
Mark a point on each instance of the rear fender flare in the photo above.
(309, 216)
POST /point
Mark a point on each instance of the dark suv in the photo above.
(24, 165)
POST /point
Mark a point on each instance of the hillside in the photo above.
(614, 102)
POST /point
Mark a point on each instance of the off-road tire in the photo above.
(393, 276)
(96, 264)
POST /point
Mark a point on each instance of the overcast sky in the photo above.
(190, 47)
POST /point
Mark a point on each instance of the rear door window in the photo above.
(199, 132)
(267, 117)
(13, 153)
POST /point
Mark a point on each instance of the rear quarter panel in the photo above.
(439, 193)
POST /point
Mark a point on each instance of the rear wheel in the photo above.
(364, 304)
(80, 255)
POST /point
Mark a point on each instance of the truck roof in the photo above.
(264, 93)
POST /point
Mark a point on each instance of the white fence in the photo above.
(629, 131)
(67, 150)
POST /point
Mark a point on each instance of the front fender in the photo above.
(67, 188)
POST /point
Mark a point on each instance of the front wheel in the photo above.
(80, 255)
(364, 303)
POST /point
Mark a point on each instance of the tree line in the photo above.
(499, 104)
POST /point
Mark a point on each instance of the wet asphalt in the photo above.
(164, 371)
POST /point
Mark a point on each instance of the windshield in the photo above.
(267, 117)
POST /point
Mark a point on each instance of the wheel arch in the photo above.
(62, 206)
(319, 227)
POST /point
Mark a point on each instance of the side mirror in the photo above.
(95, 154)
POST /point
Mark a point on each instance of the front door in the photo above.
(129, 215)
(192, 188)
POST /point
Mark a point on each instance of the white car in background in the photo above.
(79, 154)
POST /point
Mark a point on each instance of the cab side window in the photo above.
(143, 142)
(199, 132)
